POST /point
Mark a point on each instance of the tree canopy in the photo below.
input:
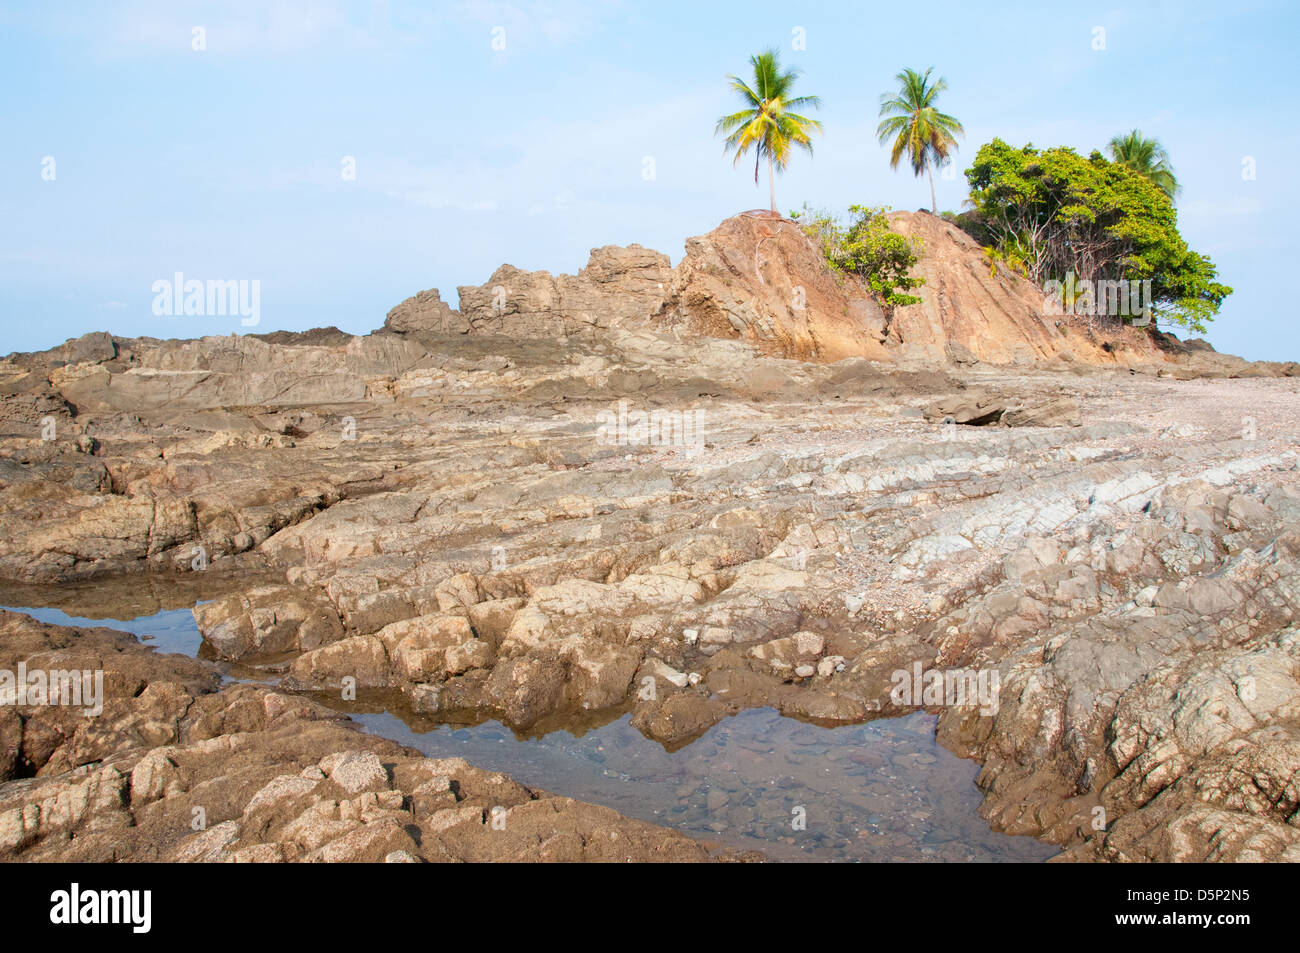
(1148, 158)
(1062, 215)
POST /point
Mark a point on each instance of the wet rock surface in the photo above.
(176, 769)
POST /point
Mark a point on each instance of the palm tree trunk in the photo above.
(934, 205)
(771, 183)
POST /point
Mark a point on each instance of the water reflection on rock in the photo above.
(883, 791)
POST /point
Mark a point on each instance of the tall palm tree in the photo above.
(917, 128)
(768, 123)
(1147, 158)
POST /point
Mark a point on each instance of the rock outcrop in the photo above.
(426, 312)
(620, 287)
(760, 279)
(210, 373)
(757, 278)
(970, 311)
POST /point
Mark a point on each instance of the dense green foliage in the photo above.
(1057, 215)
(918, 130)
(868, 248)
(769, 123)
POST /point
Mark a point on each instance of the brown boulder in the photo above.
(975, 409)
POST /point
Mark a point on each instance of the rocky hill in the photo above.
(759, 279)
(460, 514)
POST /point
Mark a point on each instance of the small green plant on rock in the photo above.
(868, 248)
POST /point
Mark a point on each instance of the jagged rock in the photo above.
(273, 779)
(678, 717)
(619, 287)
(462, 523)
(425, 311)
(94, 348)
(218, 372)
(267, 621)
(760, 279)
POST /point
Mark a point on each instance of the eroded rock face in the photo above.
(970, 311)
(425, 312)
(175, 770)
(759, 279)
(1149, 675)
(620, 287)
(259, 436)
(213, 373)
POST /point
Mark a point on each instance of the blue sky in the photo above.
(226, 162)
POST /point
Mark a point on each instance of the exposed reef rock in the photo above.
(426, 312)
(757, 278)
(619, 287)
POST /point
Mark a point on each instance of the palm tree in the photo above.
(917, 128)
(768, 122)
(1147, 158)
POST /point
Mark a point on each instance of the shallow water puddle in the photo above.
(168, 630)
(881, 791)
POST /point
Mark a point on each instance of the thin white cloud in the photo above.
(526, 22)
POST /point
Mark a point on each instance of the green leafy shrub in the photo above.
(868, 248)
